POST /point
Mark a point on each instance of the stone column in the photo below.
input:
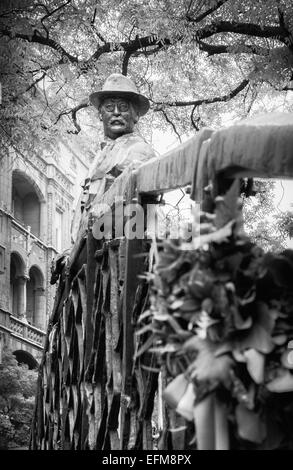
(21, 303)
(40, 308)
(43, 221)
(50, 206)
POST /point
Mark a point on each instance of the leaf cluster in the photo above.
(222, 315)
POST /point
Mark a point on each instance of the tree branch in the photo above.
(147, 53)
(207, 12)
(147, 42)
(159, 105)
(73, 113)
(125, 62)
(289, 36)
(248, 29)
(171, 123)
(56, 9)
(39, 39)
(189, 8)
(95, 31)
(91, 23)
(45, 68)
(18, 10)
(94, 16)
(194, 122)
(131, 46)
(213, 49)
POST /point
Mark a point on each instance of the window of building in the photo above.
(25, 202)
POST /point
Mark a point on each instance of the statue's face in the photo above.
(118, 115)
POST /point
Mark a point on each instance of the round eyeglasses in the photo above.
(122, 106)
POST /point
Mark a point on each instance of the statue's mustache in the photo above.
(117, 120)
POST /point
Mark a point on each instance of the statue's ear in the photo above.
(136, 115)
(135, 112)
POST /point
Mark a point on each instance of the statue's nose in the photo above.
(116, 110)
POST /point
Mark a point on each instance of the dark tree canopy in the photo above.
(198, 62)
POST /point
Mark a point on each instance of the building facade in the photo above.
(38, 195)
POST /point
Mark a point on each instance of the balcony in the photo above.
(21, 329)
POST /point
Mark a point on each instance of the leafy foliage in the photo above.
(198, 62)
(221, 314)
(17, 391)
(285, 223)
(265, 224)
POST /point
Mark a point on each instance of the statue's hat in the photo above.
(120, 85)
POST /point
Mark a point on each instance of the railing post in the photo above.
(91, 264)
(91, 247)
(133, 267)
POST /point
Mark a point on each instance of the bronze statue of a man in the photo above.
(120, 106)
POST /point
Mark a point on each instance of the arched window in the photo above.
(25, 202)
(36, 301)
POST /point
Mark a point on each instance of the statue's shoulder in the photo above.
(136, 143)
